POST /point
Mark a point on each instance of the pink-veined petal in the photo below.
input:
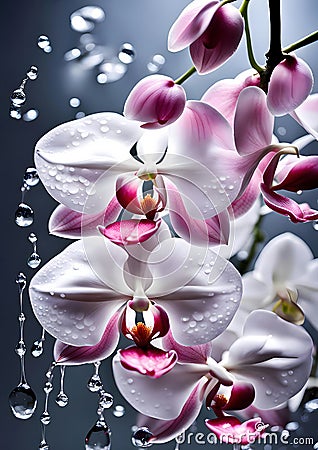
(165, 430)
(230, 430)
(150, 361)
(65, 222)
(191, 23)
(277, 372)
(253, 123)
(130, 232)
(290, 84)
(219, 40)
(71, 355)
(72, 159)
(196, 354)
(164, 397)
(306, 115)
(302, 175)
(70, 300)
(199, 290)
(129, 192)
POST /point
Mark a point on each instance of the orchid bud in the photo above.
(155, 100)
(290, 84)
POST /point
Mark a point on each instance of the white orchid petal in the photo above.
(72, 157)
(162, 398)
(256, 293)
(274, 355)
(152, 145)
(70, 301)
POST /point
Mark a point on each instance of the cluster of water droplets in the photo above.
(24, 214)
(45, 417)
(22, 399)
(44, 43)
(99, 436)
(18, 98)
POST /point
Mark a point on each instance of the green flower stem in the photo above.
(250, 53)
(313, 37)
(258, 237)
(186, 75)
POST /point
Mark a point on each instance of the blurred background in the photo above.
(88, 60)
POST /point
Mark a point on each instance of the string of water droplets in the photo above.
(18, 96)
(99, 436)
(34, 259)
(22, 399)
(24, 214)
(45, 417)
(37, 347)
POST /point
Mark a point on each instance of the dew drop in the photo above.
(268, 392)
(22, 401)
(141, 438)
(292, 426)
(18, 97)
(130, 381)
(74, 102)
(311, 405)
(114, 70)
(31, 115)
(126, 53)
(119, 411)
(34, 260)
(32, 73)
(24, 215)
(98, 438)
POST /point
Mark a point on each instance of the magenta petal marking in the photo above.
(128, 191)
(161, 321)
(242, 395)
(303, 175)
(230, 430)
(71, 355)
(150, 361)
(195, 354)
(128, 232)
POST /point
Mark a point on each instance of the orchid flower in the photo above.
(155, 100)
(79, 300)
(284, 272)
(256, 363)
(306, 115)
(212, 30)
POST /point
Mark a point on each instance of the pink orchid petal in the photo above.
(219, 40)
(306, 115)
(191, 23)
(253, 123)
(199, 290)
(287, 207)
(65, 222)
(196, 354)
(245, 202)
(223, 95)
(303, 175)
(277, 373)
(70, 301)
(161, 398)
(161, 324)
(242, 395)
(199, 232)
(130, 232)
(155, 100)
(274, 417)
(129, 192)
(165, 430)
(230, 430)
(71, 355)
(150, 361)
(290, 84)
(101, 143)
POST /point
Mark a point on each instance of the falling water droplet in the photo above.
(37, 348)
(22, 401)
(74, 102)
(21, 280)
(141, 438)
(43, 41)
(61, 399)
(24, 215)
(315, 225)
(32, 238)
(156, 63)
(119, 411)
(15, 112)
(32, 73)
(114, 70)
(126, 53)
(98, 437)
(84, 19)
(34, 260)
(94, 384)
(45, 418)
(18, 97)
(31, 115)
(106, 400)
(20, 349)
(311, 405)
(43, 446)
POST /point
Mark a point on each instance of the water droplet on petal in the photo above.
(98, 438)
(141, 438)
(18, 97)
(24, 215)
(34, 260)
(22, 401)
(127, 53)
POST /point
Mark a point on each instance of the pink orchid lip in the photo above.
(231, 431)
(150, 361)
(129, 232)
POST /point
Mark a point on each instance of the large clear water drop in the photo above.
(24, 215)
(31, 177)
(22, 401)
(141, 438)
(37, 348)
(94, 384)
(32, 73)
(34, 260)
(18, 97)
(98, 438)
(127, 53)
